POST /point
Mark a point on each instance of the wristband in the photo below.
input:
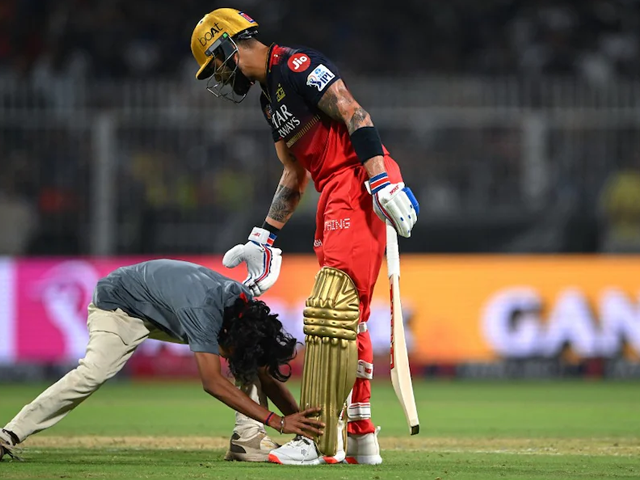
(378, 182)
(271, 228)
(262, 236)
(266, 422)
(281, 425)
(367, 144)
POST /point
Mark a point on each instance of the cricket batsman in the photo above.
(320, 129)
(186, 303)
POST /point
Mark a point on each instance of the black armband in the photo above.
(271, 228)
(367, 144)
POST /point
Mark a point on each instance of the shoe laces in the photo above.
(300, 441)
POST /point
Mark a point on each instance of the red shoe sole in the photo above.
(351, 460)
(274, 459)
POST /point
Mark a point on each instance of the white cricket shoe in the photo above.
(302, 451)
(364, 449)
(299, 451)
(250, 446)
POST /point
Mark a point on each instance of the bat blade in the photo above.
(400, 370)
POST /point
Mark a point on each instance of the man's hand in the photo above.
(263, 261)
(395, 203)
(300, 423)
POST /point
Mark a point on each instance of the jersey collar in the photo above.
(270, 55)
(274, 57)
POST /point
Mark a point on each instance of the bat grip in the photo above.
(393, 254)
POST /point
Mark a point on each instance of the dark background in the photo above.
(515, 123)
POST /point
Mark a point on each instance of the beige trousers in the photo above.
(113, 337)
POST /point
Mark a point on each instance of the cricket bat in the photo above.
(400, 372)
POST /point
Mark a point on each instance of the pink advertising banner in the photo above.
(43, 306)
(456, 309)
(43, 309)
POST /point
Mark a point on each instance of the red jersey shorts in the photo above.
(349, 235)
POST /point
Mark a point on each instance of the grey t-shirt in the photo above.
(185, 300)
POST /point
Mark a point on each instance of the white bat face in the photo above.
(400, 371)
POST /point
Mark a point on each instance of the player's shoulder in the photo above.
(307, 69)
(300, 59)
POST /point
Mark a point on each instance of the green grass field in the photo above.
(537, 430)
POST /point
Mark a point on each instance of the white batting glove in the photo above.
(395, 203)
(263, 261)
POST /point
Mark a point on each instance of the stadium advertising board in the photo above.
(458, 309)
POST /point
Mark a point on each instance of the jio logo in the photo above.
(299, 62)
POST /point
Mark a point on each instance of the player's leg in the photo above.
(249, 441)
(354, 243)
(331, 318)
(330, 362)
(331, 196)
(113, 337)
(362, 261)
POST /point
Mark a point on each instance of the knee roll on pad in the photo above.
(331, 356)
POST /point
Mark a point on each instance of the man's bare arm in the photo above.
(216, 385)
(290, 188)
(339, 104)
(278, 393)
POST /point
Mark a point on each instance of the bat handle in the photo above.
(393, 254)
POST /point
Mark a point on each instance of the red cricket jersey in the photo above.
(296, 80)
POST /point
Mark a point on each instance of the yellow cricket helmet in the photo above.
(212, 30)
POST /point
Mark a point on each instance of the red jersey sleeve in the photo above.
(266, 111)
(310, 74)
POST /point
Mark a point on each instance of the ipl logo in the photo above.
(320, 77)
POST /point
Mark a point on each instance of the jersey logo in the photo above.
(299, 62)
(284, 121)
(280, 93)
(208, 36)
(320, 77)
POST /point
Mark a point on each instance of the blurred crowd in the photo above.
(178, 185)
(175, 191)
(44, 195)
(121, 39)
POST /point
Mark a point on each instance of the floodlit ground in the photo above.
(488, 430)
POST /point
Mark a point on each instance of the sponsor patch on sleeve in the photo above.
(320, 77)
(299, 62)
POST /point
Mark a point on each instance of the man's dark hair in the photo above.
(253, 337)
(246, 38)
